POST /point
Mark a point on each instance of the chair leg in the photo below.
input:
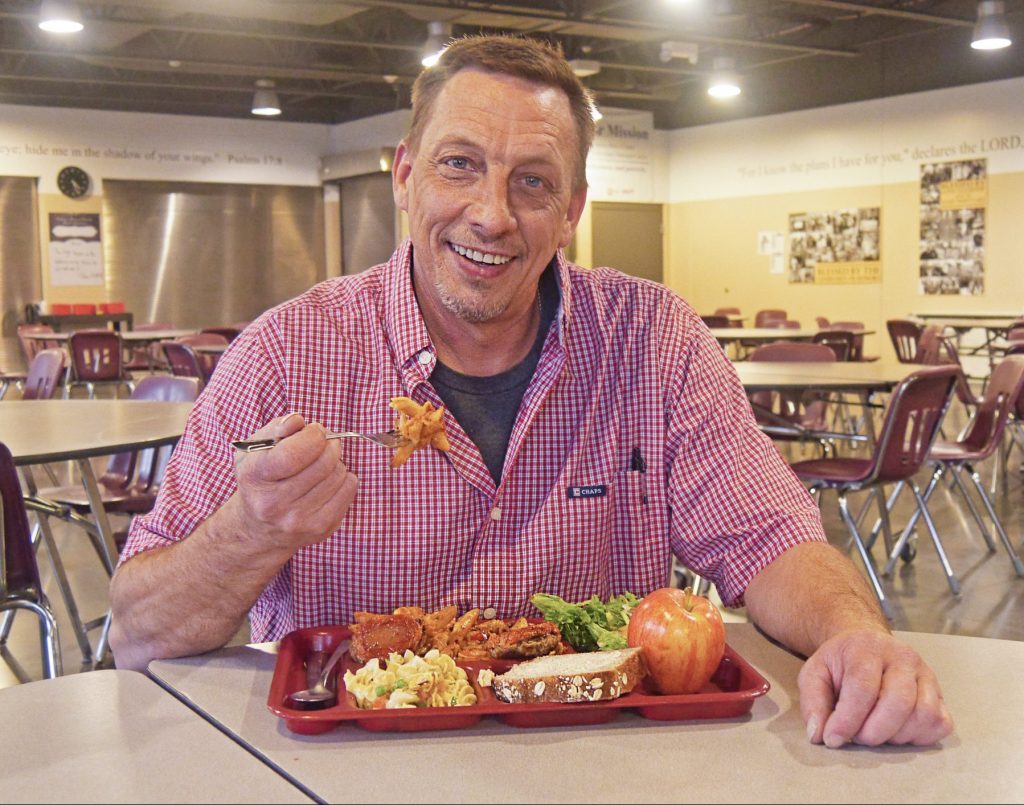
(974, 510)
(1017, 566)
(893, 497)
(922, 506)
(49, 637)
(844, 511)
(901, 543)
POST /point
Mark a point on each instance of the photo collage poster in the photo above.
(840, 247)
(954, 196)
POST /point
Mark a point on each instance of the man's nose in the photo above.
(490, 210)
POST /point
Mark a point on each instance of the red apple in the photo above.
(682, 636)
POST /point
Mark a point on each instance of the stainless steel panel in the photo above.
(196, 255)
(367, 221)
(20, 278)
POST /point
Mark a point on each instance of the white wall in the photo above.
(853, 145)
(37, 141)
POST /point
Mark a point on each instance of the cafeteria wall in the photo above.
(37, 142)
(731, 182)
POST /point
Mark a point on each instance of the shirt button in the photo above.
(496, 513)
(425, 357)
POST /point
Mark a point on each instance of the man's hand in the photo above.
(868, 688)
(298, 492)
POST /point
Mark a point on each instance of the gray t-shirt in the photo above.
(486, 407)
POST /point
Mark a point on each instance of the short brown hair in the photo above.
(529, 59)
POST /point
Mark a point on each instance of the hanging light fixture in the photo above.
(265, 101)
(595, 113)
(58, 17)
(724, 83)
(991, 31)
(438, 34)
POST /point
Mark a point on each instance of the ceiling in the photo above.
(339, 61)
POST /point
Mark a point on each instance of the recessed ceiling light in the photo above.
(57, 17)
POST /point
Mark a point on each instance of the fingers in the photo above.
(857, 696)
(817, 697)
(886, 694)
(298, 491)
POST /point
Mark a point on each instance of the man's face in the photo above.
(489, 193)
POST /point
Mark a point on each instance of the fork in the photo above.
(389, 439)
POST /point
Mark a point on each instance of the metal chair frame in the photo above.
(20, 585)
(924, 428)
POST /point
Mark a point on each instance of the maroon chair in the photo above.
(182, 360)
(905, 335)
(131, 480)
(716, 321)
(229, 333)
(20, 585)
(207, 361)
(729, 311)
(30, 346)
(147, 357)
(45, 375)
(911, 423)
(979, 440)
(841, 342)
(762, 317)
(96, 360)
(821, 321)
(858, 339)
(782, 324)
(793, 416)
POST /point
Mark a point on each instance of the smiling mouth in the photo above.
(483, 258)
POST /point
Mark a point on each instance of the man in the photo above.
(595, 429)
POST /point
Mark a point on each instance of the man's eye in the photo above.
(460, 163)
(533, 181)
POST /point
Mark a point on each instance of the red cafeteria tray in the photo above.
(730, 693)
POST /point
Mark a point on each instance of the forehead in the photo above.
(500, 109)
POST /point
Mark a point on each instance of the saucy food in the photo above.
(419, 426)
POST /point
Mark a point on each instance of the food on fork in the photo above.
(419, 426)
(585, 677)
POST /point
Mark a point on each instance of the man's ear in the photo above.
(572, 216)
(401, 168)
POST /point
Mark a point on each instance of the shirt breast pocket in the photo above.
(578, 529)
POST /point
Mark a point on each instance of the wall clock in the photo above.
(73, 182)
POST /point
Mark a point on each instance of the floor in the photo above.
(991, 603)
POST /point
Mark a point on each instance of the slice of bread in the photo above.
(586, 677)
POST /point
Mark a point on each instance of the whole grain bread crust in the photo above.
(584, 686)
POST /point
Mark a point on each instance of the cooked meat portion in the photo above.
(534, 640)
(379, 635)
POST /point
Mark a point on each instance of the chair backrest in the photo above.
(716, 321)
(841, 342)
(181, 359)
(929, 345)
(762, 317)
(166, 388)
(911, 422)
(797, 351)
(821, 321)
(1015, 331)
(96, 355)
(18, 569)
(229, 333)
(45, 374)
(30, 346)
(1002, 395)
(904, 335)
(727, 311)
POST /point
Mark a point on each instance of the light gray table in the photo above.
(763, 757)
(44, 431)
(116, 736)
(862, 376)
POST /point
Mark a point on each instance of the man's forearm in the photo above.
(191, 596)
(810, 593)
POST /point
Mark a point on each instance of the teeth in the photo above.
(481, 257)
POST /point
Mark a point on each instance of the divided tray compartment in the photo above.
(730, 694)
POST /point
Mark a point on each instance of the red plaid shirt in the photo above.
(627, 365)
